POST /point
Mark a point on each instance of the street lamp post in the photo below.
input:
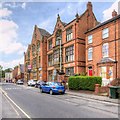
(60, 53)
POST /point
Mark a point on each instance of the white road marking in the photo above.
(16, 104)
(12, 106)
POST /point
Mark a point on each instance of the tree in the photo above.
(1, 71)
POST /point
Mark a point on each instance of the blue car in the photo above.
(52, 87)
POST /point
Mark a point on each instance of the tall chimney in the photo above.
(114, 13)
(89, 6)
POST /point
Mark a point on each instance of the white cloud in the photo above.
(23, 5)
(11, 64)
(5, 12)
(8, 37)
(16, 5)
(9, 43)
(107, 14)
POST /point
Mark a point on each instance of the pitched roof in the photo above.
(64, 24)
(106, 22)
(44, 32)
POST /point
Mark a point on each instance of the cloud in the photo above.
(11, 64)
(8, 37)
(23, 5)
(9, 43)
(107, 14)
(5, 13)
(16, 5)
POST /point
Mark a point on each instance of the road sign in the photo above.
(29, 67)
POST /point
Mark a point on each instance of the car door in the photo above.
(47, 87)
(43, 87)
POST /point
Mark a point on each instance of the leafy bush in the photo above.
(83, 82)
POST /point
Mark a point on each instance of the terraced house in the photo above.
(103, 49)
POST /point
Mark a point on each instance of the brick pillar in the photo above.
(97, 88)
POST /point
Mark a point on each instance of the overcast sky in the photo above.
(17, 20)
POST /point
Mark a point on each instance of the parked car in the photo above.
(39, 83)
(31, 82)
(20, 82)
(52, 87)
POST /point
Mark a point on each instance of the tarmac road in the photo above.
(30, 103)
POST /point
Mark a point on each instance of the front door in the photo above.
(90, 71)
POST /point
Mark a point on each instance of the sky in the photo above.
(17, 21)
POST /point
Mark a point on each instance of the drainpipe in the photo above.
(115, 50)
(75, 49)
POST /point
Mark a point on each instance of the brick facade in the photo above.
(106, 66)
(65, 52)
(35, 56)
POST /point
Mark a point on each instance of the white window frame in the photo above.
(105, 50)
(90, 38)
(103, 72)
(105, 33)
(90, 52)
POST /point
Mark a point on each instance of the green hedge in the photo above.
(83, 82)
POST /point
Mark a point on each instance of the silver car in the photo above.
(31, 82)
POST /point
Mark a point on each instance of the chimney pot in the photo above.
(114, 13)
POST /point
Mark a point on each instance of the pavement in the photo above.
(93, 96)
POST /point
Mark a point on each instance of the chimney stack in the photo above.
(114, 13)
(89, 6)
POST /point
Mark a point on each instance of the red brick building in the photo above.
(36, 56)
(66, 46)
(18, 72)
(103, 49)
(63, 52)
(81, 46)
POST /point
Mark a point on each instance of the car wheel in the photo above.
(51, 92)
(41, 90)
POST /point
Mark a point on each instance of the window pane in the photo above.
(69, 34)
(105, 50)
(70, 71)
(90, 39)
(69, 53)
(105, 33)
(90, 51)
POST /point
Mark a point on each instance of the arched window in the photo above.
(58, 37)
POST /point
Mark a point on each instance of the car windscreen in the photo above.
(57, 83)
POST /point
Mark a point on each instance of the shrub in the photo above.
(83, 82)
